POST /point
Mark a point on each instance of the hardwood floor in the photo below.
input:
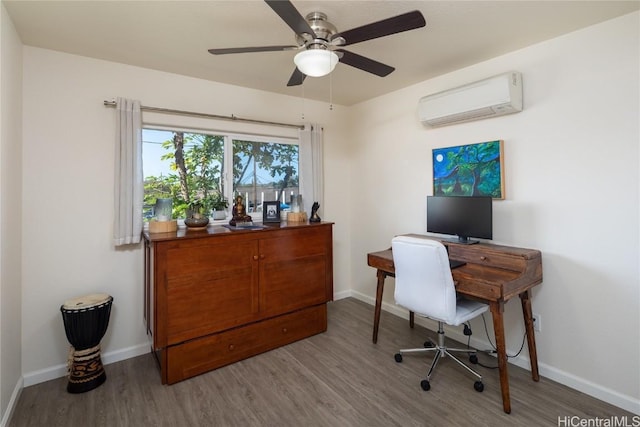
(339, 378)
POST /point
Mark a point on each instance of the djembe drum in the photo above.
(85, 323)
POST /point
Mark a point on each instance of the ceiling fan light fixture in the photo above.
(316, 62)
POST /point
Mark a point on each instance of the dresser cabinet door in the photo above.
(210, 285)
(295, 270)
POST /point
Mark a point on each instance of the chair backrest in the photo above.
(424, 283)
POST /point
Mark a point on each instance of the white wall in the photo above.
(68, 191)
(571, 164)
(10, 213)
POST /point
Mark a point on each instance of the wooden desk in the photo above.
(493, 274)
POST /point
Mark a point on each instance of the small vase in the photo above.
(162, 209)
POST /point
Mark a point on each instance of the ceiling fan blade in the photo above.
(365, 64)
(291, 16)
(296, 78)
(397, 24)
(251, 49)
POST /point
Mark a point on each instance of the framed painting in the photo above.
(469, 170)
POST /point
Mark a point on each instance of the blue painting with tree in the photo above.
(469, 170)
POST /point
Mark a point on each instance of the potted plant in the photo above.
(197, 213)
(219, 204)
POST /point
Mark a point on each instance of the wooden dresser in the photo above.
(216, 296)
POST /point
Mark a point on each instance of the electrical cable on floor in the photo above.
(486, 331)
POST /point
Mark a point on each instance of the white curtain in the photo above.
(129, 188)
(311, 166)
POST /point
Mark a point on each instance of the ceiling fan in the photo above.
(319, 42)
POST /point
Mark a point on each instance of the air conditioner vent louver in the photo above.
(492, 97)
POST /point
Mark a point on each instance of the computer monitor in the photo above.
(461, 216)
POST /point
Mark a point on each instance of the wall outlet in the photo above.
(537, 322)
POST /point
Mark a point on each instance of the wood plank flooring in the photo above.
(339, 378)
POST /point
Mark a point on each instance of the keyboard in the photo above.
(454, 263)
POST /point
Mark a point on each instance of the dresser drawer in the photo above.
(201, 355)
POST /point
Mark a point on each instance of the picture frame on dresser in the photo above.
(271, 211)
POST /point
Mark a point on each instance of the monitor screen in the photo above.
(464, 217)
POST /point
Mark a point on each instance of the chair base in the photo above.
(442, 351)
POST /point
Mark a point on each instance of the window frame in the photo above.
(227, 166)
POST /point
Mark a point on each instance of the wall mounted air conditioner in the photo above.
(491, 97)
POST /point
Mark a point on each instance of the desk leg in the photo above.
(497, 309)
(525, 299)
(412, 319)
(376, 319)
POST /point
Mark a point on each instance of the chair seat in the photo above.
(465, 311)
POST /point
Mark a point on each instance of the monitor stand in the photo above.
(462, 241)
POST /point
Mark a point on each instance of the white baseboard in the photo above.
(612, 397)
(341, 295)
(12, 403)
(51, 373)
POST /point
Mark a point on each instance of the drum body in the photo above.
(85, 323)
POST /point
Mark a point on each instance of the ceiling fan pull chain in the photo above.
(330, 92)
(304, 101)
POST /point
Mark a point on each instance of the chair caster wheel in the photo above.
(478, 386)
(473, 358)
(425, 385)
(398, 357)
(428, 344)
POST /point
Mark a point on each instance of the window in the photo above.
(213, 168)
(264, 171)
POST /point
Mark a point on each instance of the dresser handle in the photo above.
(284, 330)
(261, 256)
(255, 257)
(231, 347)
(483, 258)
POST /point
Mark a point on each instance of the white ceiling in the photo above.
(174, 36)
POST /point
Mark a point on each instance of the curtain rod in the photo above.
(209, 116)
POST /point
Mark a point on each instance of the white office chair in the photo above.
(424, 285)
